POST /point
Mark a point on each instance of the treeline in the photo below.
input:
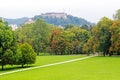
(11, 52)
(20, 47)
(45, 38)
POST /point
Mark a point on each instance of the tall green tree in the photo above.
(102, 35)
(41, 32)
(7, 40)
(37, 34)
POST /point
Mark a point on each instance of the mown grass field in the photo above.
(96, 68)
(42, 60)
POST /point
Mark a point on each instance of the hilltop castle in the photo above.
(57, 15)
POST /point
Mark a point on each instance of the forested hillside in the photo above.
(18, 21)
(61, 21)
(64, 21)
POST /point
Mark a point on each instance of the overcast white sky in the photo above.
(91, 10)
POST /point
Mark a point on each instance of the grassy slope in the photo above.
(98, 68)
(42, 60)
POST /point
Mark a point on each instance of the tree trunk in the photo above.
(118, 53)
(103, 53)
(22, 65)
(110, 54)
(2, 67)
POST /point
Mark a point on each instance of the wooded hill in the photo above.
(54, 19)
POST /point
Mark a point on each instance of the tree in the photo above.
(24, 33)
(55, 34)
(81, 37)
(88, 47)
(69, 38)
(87, 27)
(102, 35)
(7, 54)
(37, 34)
(68, 26)
(115, 37)
(41, 31)
(27, 55)
(116, 16)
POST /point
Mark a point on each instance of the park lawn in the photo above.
(96, 68)
(42, 60)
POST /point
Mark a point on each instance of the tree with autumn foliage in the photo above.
(69, 41)
(115, 37)
(81, 37)
(89, 46)
(102, 35)
(55, 33)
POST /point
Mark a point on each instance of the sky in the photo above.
(91, 10)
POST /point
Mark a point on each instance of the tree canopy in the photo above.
(7, 44)
(27, 54)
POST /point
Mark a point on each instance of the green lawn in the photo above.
(42, 60)
(97, 68)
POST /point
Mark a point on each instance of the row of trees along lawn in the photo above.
(45, 38)
(11, 52)
(16, 46)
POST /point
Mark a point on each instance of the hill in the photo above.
(59, 19)
(62, 19)
(18, 21)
